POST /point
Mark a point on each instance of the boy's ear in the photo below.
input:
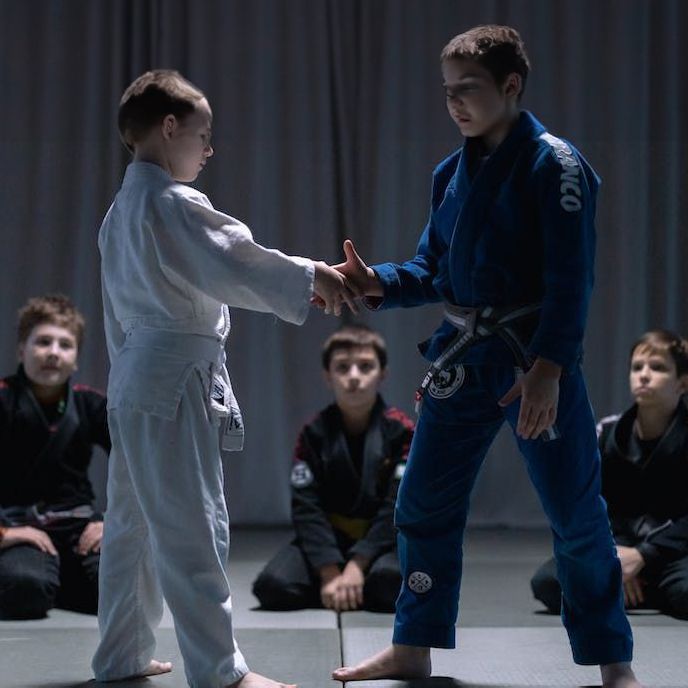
(168, 126)
(683, 383)
(513, 85)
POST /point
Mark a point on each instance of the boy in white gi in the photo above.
(171, 264)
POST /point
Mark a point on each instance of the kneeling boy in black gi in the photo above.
(49, 532)
(346, 470)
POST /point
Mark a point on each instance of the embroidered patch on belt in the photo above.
(447, 382)
(419, 582)
(301, 475)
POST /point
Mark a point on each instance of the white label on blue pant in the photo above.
(419, 582)
(447, 382)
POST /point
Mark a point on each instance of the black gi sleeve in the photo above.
(314, 532)
(666, 543)
(4, 437)
(97, 408)
(381, 536)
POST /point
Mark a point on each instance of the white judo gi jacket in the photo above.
(171, 266)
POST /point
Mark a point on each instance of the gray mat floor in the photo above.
(503, 638)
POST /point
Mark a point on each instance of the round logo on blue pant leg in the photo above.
(419, 582)
(447, 382)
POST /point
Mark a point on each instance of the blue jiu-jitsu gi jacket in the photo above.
(516, 230)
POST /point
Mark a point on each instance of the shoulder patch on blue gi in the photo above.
(419, 582)
(447, 382)
(301, 475)
(570, 185)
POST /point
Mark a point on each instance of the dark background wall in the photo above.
(329, 118)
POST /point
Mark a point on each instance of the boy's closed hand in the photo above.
(350, 590)
(331, 290)
(539, 392)
(27, 535)
(90, 539)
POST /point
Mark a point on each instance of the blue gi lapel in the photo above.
(476, 194)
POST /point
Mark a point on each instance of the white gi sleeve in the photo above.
(217, 255)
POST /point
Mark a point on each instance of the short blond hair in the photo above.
(150, 98)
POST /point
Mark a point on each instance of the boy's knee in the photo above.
(677, 600)
(26, 596)
(546, 589)
(278, 594)
(381, 590)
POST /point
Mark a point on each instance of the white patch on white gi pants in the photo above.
(447, 382)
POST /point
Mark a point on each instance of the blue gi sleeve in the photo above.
(566, 190)
(413, 283)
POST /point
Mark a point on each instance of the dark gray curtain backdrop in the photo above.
(329, 118)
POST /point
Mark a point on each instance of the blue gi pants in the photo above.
(451, 439)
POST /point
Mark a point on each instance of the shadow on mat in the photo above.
(92, 683)
(448, 682)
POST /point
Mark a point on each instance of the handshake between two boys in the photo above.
(336, 285)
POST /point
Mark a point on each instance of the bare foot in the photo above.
(397, 661)
(618, 676)
(253, 680)
(154, 668)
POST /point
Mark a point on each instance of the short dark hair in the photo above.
(53, 309)
(352, 337)
(150, 98)
(499, 49)
(664, 341)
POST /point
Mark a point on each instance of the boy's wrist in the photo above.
(544, 366)
(374, 286)
(328, 572)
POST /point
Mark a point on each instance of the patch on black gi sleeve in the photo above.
(301, 475)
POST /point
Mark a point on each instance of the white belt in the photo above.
(220, 400)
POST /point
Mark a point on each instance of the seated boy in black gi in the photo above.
(644, 476)
(346, 470)
(49, 532)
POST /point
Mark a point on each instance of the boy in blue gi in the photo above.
(511, 239)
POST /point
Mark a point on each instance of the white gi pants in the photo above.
(166, 534)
